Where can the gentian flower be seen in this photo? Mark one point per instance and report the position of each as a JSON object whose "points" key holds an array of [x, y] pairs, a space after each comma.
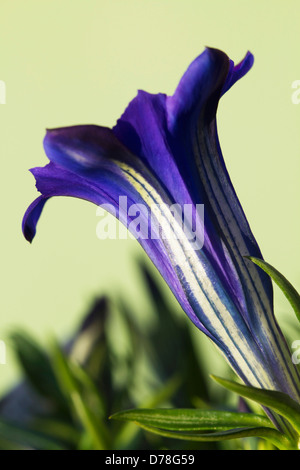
{"points": [[164, 150]]}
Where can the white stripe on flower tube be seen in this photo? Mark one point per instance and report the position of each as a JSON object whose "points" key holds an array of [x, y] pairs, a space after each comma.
{"points": [[253, 282], [202, 287]]}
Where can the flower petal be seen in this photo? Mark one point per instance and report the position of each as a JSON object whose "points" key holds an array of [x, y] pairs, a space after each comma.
{"points": [[101, 181], [203, 78], [238, 71], [197, 152], [80, 170], [32, 216], [165, 150], [143, 128]]}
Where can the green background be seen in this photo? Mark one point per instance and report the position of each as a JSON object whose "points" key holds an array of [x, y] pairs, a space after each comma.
{"points": [[69, 62]]}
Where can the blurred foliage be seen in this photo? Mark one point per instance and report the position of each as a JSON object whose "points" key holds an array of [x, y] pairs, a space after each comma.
{"points": [[111, 363]]}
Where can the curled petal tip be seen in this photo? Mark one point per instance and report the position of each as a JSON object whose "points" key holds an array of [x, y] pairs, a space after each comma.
{"points": [[245, 65], [238, 71], [31, 218], [203, 77]]}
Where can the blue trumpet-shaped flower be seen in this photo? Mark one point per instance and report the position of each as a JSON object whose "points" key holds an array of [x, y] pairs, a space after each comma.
{"points": [[164, 150]]}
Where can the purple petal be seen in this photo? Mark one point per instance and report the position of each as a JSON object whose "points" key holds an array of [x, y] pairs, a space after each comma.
{"points": [[167, 156], [170, 145], [99, 187], [203, 78], [238, 71], [198, 155], [32, 216], [192, 117]]}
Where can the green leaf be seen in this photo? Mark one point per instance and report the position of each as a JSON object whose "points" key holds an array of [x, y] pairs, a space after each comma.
{"points": [[37, 366], [143, 419], [277, 401], [286, 287], [165, 422], [91, 394], [192, 419], [272, 435], [128, 430], [69, 384]]}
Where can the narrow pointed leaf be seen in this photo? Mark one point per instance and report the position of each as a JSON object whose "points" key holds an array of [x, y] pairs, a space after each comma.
{"points": [[36, 366], [286, 287], [277, 401], [70, 386], [272, 435], [128, 431], [192, 419]]}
